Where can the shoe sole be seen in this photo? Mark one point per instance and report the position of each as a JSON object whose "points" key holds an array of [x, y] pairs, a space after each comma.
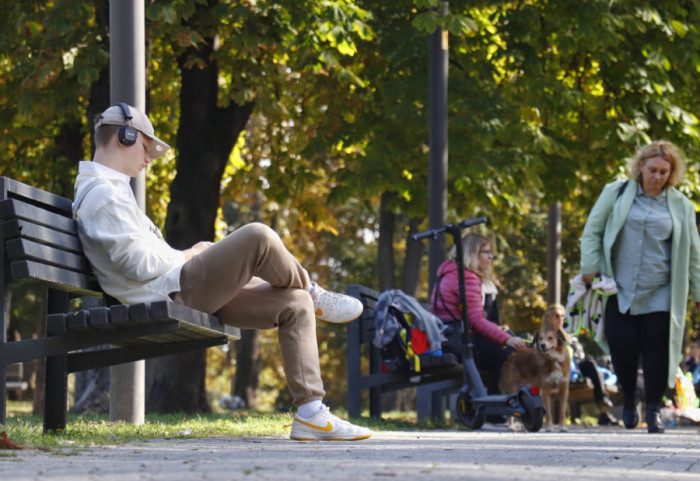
{"points": [[355, 438], [338, 322]]}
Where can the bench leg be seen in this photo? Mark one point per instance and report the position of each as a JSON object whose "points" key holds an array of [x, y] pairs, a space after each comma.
{"points": [[4, 321], [430, 404], [56, 376], [56, 395], [3, 394], [375, 392], [424, 402], [354, 370]]}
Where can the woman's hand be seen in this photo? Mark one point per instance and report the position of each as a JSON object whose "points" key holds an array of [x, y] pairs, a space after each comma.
{"points": [[588, 278], [196, 249], [516, 343]]}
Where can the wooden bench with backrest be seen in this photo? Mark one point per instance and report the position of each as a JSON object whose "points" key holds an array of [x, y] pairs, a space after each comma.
{"points": [[39, 244], [439, 375], [15, 379]]}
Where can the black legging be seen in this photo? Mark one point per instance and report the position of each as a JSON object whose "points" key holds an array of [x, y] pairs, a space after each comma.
{"points": [[589, 368], [490, 357], [629, 337]]}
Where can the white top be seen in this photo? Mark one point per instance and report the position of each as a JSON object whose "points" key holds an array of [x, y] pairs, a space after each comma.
{"points": [[130, 258]]}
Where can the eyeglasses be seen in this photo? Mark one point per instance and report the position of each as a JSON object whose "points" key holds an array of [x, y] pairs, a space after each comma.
{"points": [[487, 252]]}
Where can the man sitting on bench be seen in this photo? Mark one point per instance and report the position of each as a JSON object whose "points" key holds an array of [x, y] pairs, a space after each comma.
{"points": [[249, 279]]}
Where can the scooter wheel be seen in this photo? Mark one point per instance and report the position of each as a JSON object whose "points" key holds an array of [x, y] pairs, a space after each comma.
{"points": [[533, 416], [467, 411]]}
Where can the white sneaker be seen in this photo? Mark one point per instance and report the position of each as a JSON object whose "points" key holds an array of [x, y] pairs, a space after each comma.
{"points": [[324, 426], [336, 308]]}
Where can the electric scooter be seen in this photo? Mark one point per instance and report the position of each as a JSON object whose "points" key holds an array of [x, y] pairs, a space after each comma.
{"points": [[473, 403]]}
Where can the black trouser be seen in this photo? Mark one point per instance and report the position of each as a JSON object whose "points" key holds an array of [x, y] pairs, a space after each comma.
{"points": [[589, 369], [631, 336], [490, 357]]}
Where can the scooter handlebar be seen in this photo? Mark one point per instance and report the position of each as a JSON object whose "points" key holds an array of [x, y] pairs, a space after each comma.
{"points": [[469, 223], [432, 233], [424, 235]]}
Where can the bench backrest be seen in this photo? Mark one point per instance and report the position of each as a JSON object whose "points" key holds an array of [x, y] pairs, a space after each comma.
{"points": [[368, 297], [40, 240]]}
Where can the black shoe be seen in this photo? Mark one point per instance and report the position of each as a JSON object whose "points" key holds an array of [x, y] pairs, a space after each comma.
{"points": [[654, 423], [629, 415], [607, 419]]}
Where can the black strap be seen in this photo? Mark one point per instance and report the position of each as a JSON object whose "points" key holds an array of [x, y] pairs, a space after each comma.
{"points": [[438, 294], [622, 189]]}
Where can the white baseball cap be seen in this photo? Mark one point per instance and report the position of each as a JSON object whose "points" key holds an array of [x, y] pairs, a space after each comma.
{"points": [[115, 115]]}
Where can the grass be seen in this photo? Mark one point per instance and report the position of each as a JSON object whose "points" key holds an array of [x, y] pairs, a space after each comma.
{"points": [[83, 431]]}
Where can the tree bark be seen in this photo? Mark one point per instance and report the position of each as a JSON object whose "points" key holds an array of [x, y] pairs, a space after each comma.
{"points": [[385, 248], [410, 279], [206, 135], [247, 368]]}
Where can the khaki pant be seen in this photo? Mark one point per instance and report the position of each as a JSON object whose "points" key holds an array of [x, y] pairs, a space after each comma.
{"points": [[251, 281]]}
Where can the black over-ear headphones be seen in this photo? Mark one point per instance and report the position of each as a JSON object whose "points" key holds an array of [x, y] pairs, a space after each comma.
{"points": [[127, 135]]}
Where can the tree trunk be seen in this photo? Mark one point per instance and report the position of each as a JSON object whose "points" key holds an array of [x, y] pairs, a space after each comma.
{"points": [[387, 226], [206, 135], [247, 368], [410, 279]]}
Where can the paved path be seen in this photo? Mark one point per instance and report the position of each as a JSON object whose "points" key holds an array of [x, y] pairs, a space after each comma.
{"points": [[582, 454]]}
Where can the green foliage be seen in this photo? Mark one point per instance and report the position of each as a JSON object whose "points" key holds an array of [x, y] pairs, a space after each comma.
{"points": [[546, 100]]}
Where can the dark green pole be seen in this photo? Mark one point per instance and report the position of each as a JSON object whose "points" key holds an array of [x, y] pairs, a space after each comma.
{"points": [[437, 181]]}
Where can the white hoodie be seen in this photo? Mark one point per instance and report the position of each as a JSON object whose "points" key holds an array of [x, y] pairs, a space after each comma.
{"points": [[130, 258]]}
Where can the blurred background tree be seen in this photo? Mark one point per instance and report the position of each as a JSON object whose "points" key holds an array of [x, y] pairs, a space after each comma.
{"points": [[312, 117]]}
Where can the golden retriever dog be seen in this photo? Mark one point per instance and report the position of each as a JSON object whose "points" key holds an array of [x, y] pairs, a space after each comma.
{"points": [[545, 365]]}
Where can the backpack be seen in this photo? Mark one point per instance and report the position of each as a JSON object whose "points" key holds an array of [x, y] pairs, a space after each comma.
{"points": [[405, 331]]}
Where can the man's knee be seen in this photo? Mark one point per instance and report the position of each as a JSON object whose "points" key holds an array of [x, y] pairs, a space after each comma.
{"points": [[299, 307], [259, 233]]}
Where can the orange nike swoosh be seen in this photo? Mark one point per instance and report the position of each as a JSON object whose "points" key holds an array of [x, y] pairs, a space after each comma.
{"points": [[328, 428]]}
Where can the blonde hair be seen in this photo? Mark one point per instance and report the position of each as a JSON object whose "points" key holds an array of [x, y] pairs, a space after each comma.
{"points": [[659, 148], [549, 314], [472, 243]]}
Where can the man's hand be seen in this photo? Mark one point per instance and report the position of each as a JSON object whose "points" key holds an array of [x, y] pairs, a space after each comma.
{"points": [[196, 249]]}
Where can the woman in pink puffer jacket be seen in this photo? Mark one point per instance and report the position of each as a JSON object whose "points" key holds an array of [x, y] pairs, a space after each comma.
{"points": [[492, 344]]}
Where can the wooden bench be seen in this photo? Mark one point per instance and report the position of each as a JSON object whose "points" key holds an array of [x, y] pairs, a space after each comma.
{"points": [[15, 378], [439, 374], [581, 393], [39, 244]]}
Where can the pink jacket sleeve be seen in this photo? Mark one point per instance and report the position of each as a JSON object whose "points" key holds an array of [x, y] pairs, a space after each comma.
{"points": [[475, 311]]}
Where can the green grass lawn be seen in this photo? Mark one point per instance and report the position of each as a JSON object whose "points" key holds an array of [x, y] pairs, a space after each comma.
{"points": [[81, 431]]}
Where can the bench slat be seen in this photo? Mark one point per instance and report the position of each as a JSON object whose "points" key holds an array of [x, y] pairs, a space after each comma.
{"points": [[19, 249], [16, 209], [10, 188], [99, 318], [196, 320], [63, 279], [19, 228]]}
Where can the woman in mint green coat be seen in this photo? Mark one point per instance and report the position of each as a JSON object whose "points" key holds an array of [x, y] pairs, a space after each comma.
{"points": [[642, 233]]}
